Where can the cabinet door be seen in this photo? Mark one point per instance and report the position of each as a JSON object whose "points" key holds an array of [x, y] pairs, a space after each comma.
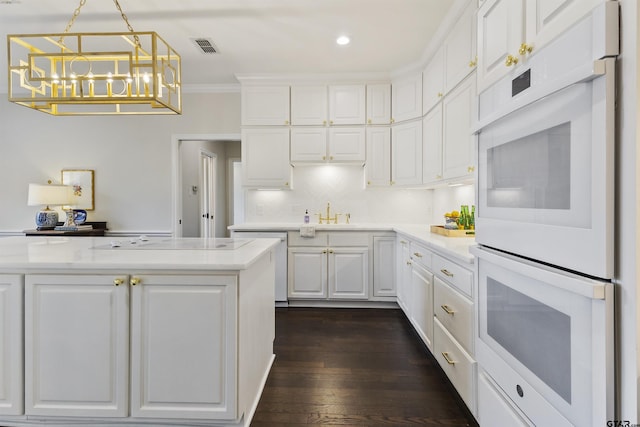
{"points": [[347, 145], [348, 273], [308, 144], [76, 345], [384, 266], [406, 154], [184, 347], [458, 115], [307, 272], [347, 104], [432, 146], [11, 336], [433, 81], [404, 275], [309, 105], [460, 49], [406, 98], [500, 31], [379, 104], [422, 303], [265, 105], [265, 158], [378, 165]]}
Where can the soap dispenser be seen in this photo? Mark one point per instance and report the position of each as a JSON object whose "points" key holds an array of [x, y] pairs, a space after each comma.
{"points": [[306, 216]]}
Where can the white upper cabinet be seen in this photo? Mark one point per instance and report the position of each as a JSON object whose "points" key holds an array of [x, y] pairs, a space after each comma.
{"points": [[378, 166], [459, 110], [509, 31], [406, 154], [459, 49], [500, 32], [432, 145], [308, 144], [379, 104], [265, 158], [406, 98], [265, 105], [309, 105], [347, 104], [347, 144], [433, 81]]}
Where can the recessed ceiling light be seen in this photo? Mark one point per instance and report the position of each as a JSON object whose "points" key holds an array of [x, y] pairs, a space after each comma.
{"points": [[342, 40]]}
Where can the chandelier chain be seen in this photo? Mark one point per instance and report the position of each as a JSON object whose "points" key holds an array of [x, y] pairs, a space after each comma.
{"points": [[76, 13]]}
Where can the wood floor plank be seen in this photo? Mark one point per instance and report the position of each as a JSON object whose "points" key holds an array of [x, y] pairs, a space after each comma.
{"points": [[354, 367]]}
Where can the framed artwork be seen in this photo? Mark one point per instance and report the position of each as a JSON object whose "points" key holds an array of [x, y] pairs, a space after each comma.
{"points": [[82, 182]]}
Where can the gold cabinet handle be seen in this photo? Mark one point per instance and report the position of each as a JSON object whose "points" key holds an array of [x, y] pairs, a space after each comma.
{"points": [[408, 262], [324, 122], [473, 62], [134, 281], [525, 49], [446, 272], [438, 176], [118, 282], [470, 168], [448, 358], [369, 121], [330, 122], [440, 95], [324, 157], [393, 120], [403, 242], [330, 251], [330, 157], [368, 182], [418, 254], [324, 251], [447, 309], [286, 122], [511, 60], [393, 183], [286, 184]]}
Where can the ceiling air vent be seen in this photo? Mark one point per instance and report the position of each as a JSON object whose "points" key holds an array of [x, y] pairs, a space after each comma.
{"points": [[205, 46]]}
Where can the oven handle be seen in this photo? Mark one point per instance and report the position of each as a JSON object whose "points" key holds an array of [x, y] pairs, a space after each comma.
{"points": [[588, 72]]}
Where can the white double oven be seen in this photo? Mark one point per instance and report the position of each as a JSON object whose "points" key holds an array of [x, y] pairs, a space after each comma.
{"points": [[545, 229]]}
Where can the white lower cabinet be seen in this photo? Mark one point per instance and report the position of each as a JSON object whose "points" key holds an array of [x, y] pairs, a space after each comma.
{"points": [[334, 273], [456, 363], [422, 303], [384, 266], [493, 408], [403, 277], [78, 329], [11, 350]]}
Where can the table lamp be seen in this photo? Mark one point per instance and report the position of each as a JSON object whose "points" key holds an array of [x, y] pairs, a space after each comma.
{"points": [[48, 195]]}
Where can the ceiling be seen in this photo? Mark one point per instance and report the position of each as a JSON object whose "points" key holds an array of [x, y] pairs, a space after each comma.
{"points": [[251, 36]]}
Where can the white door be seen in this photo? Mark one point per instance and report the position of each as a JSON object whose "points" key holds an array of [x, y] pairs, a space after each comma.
{"points": [[406, 154], [265, 158], [76, 345], [422, 303], [207, 195], [347, 144], [379, 104], [11, 336], [307, 272], [183, 347], [348, 273], [378, 165], [347, 104]]}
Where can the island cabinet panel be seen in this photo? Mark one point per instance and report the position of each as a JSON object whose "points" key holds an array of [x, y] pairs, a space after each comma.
{"points": [[11, 335], [183, 355], [76, 345]]}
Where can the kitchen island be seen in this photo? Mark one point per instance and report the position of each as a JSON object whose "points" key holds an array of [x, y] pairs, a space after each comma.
{"points": [[139, 332]]}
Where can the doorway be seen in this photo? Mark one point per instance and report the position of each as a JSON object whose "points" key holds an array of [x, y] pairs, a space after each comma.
{"points": [[202, 184]]}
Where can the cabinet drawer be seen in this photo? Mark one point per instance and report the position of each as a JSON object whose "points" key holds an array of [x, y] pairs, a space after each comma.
{"points": [[493, 409], [452, 273], [294, 239], [455, 362], [455, 312], [421, 255], [345, 238]]}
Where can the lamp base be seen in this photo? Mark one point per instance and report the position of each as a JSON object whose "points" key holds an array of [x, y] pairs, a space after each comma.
{"points": [[46, 219]]}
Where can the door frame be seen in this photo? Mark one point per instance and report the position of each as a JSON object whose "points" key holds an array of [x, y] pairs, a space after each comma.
{"points": [[207, 178], [176, 172]]}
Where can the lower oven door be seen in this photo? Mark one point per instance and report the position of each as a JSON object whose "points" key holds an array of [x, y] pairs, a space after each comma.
{"points": [[546, 337]]}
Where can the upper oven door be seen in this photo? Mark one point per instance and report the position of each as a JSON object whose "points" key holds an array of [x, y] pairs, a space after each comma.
{"points": [[545, 178]]}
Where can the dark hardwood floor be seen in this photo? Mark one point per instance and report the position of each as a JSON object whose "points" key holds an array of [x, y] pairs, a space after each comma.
{"points": [[354, 367]]}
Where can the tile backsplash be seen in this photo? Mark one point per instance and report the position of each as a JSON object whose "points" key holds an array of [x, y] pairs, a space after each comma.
{"points": [[344, 187]]}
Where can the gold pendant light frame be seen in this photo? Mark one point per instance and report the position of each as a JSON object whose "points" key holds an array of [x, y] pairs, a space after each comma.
{"points": [[68, 74]]}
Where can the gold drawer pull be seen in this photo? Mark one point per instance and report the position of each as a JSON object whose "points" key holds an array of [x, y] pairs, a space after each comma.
{"points": [[447, 358], [446, 272], [134, 281], [447, 309], [418, 254], [118, 282]]}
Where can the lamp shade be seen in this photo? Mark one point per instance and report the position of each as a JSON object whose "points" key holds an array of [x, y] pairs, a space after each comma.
{"points": [[50, 195]]}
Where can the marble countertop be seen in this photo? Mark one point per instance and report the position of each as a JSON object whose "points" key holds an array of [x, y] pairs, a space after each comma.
{"points": [[19, 253], [453, 247]]}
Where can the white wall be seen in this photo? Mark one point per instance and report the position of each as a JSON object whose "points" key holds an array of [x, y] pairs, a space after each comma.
{"points": [[131, 157]]}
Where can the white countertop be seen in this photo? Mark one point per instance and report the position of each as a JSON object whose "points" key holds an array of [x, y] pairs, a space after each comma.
{"points": [[454, 247], [91, 253]]}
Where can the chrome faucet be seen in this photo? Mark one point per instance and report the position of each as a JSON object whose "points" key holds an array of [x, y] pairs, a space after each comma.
{"points": [[328, 218]]}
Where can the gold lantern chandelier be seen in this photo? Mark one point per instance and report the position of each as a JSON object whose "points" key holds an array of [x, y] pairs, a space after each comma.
{"points": [[70, 74]]}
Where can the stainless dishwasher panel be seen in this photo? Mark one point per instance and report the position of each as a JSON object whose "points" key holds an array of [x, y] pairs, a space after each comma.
{"points": [[281, 258]]}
